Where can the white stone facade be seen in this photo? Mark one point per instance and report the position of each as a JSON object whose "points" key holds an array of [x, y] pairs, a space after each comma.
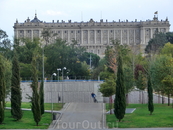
{"points": [[92, 35]]}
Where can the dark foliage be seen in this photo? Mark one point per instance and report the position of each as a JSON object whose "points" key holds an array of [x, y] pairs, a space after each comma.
{"points": [[16, 90], [120, 101], [2, 90], [35, 99], [42, 97], [150, 96]]}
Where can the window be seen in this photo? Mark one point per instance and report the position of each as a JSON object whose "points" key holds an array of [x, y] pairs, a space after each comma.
{"points": [[71, 31]]}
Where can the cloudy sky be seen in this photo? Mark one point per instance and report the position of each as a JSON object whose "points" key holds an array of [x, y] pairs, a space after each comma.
{"points": [[82, 10]]}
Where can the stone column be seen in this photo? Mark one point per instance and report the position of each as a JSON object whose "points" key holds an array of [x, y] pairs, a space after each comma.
{"points": [[142, 35], [108, 36], [81, 31], [114, 35], [95, 42], [128, 36], [62, 32], [32, 34], [75, 34], [101, 36], [68, 35], [88, 36], [24, 32]]}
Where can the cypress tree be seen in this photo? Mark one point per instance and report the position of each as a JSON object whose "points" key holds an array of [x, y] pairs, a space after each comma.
{"points": [[150, 96], [2, 90], [42, 97], [16, 90], [35, 99], [120, 101]]}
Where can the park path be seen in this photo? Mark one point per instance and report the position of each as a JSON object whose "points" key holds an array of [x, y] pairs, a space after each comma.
{"points": [[82, 116]]}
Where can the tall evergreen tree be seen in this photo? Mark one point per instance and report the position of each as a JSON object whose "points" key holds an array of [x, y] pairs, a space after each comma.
{"points": [[150, 96], [2, 89], [16, 90], [42, 97], [35, 99], [120, 101]]}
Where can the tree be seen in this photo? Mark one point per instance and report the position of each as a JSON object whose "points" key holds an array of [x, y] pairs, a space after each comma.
{"points": [[42, 97], [140, 79], [128, 80], [108, 89], [169, 36], [156, 43], [35, 99], [48, 35], [86, 57], [150, 96], [5, 45], [16, 90], [2, 89], [167, 49], [120, 102], [161, 73], [60, 55]]}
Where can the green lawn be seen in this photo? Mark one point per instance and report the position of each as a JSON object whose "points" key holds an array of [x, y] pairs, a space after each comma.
{"points": [[48, 106], [27, 121], [140, 118]]}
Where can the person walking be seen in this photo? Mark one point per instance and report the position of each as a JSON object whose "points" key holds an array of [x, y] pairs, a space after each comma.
{"points": [[94, 97]]}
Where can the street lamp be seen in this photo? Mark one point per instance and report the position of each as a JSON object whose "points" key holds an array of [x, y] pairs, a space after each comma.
{"points": [[58, 73], [54, 74], [64, 68]]}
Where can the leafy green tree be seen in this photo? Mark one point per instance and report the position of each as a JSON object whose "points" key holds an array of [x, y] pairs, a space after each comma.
{"points": [[60, 55], [25, 53], [2, 89], [25, 71], [156, 43], [140, 79], [150, 96], [35, 99], [168, 82], [97, 72], [167, 49], [94, 58], [5, 45], [48, 35], [169, 36], [16, 90], [160, 71], [108, 89], [128, 80], [8, 74], [120, 102]]}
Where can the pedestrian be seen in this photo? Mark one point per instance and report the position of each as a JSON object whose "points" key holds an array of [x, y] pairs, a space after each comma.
{"points": [[94, 97]]}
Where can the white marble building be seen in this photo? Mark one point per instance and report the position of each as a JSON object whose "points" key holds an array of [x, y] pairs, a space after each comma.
{"points": [[93, 35]]}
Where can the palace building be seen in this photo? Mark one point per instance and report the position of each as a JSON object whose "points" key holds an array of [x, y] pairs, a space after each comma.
{"points": [[93, 35]]}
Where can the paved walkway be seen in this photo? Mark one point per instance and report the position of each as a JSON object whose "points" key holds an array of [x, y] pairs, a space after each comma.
{"points": [[82, 116]]}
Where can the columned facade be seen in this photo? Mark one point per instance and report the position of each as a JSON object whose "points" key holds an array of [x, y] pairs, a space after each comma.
{"points": [[92, 35]]}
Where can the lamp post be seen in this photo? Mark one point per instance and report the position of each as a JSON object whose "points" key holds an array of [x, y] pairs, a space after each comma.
{"points": [[58, 73], [54, 74], [64, 68]]}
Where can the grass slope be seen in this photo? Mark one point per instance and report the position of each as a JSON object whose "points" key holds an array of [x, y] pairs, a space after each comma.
{"points": [[27, 121], [140, 118]]}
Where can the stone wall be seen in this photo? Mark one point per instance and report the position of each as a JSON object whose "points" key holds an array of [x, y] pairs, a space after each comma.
{"points": [[81, 92], [71, 91]]}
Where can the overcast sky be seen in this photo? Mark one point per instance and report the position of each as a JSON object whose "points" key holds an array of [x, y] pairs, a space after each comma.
{"points": [[82, 10]]}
